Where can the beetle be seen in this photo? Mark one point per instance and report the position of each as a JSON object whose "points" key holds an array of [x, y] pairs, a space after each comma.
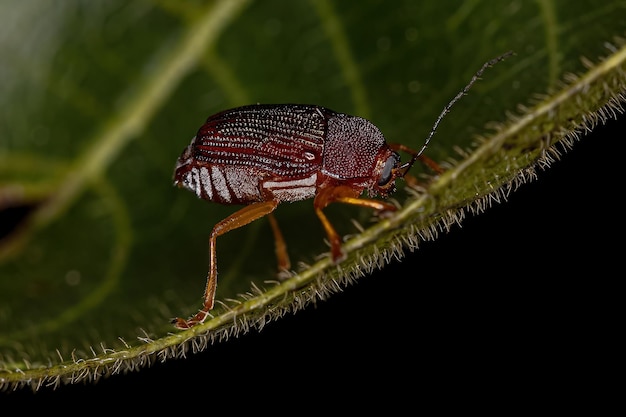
{"points": [[261, 155]]}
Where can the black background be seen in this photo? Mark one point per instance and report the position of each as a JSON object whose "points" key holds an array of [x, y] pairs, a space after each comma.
{"points": [[521, 302]]}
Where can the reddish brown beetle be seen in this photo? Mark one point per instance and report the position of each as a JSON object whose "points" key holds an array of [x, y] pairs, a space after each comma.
{"points": [[261, 155]]}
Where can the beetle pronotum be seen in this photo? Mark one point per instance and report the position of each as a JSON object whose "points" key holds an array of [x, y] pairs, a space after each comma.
{"points": [[261, 155]]}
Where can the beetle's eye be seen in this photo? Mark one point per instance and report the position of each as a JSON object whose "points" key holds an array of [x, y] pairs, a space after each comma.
{"points": [[385, 175]]}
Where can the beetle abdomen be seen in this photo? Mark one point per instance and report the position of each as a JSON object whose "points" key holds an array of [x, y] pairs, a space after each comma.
{"points": [[226, 185], [250, 153]]}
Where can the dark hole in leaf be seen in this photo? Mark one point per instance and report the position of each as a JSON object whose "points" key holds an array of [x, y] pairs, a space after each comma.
{"points": [[12, 217]]}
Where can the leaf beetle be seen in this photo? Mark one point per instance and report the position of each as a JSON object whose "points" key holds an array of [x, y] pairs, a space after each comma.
{"points": [[261, 155]]}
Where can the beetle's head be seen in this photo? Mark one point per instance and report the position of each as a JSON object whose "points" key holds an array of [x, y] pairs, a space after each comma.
{"points": [[388, 169]]}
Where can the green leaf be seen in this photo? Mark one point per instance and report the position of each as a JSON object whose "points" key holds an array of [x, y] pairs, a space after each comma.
{"points": [[101, 250]]}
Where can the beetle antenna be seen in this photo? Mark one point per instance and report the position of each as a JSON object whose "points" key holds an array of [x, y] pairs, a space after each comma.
{"points": [[456, 98]]}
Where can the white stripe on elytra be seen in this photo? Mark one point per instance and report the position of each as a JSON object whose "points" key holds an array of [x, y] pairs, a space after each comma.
{"points": [[205, 180], [219, 182], [192, 181], [304, 182]]}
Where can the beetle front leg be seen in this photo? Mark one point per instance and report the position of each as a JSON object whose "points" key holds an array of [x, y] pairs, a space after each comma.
{"points": [[333, 237], [410, 179], [346, 195], [236, 220]]}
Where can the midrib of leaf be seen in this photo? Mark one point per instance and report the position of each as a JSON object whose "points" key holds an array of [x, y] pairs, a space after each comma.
{"points": [[132, 117]]}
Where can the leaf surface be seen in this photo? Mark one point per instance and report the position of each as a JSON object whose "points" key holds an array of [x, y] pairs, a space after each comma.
{"points": [[100, 251]]}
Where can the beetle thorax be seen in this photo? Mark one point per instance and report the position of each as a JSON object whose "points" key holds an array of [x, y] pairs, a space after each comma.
{"points": [[351, 150]]}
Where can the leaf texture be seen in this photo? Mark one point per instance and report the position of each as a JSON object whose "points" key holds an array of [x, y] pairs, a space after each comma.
{"points": [[100, 251]]}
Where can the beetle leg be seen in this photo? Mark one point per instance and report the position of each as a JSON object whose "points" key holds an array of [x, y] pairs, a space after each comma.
{"points": [[412, 181], [281, 248], [236, 220], [346, 195]]}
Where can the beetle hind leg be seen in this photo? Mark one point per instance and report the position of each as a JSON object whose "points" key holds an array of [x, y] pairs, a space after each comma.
{"points": [[236, 220]]}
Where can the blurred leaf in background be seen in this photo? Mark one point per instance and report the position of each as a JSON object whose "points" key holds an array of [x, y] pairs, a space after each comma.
{"points": [[99, 250]]}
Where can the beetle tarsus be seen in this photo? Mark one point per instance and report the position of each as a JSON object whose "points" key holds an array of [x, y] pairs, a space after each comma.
{"points": [[198, 318]]}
